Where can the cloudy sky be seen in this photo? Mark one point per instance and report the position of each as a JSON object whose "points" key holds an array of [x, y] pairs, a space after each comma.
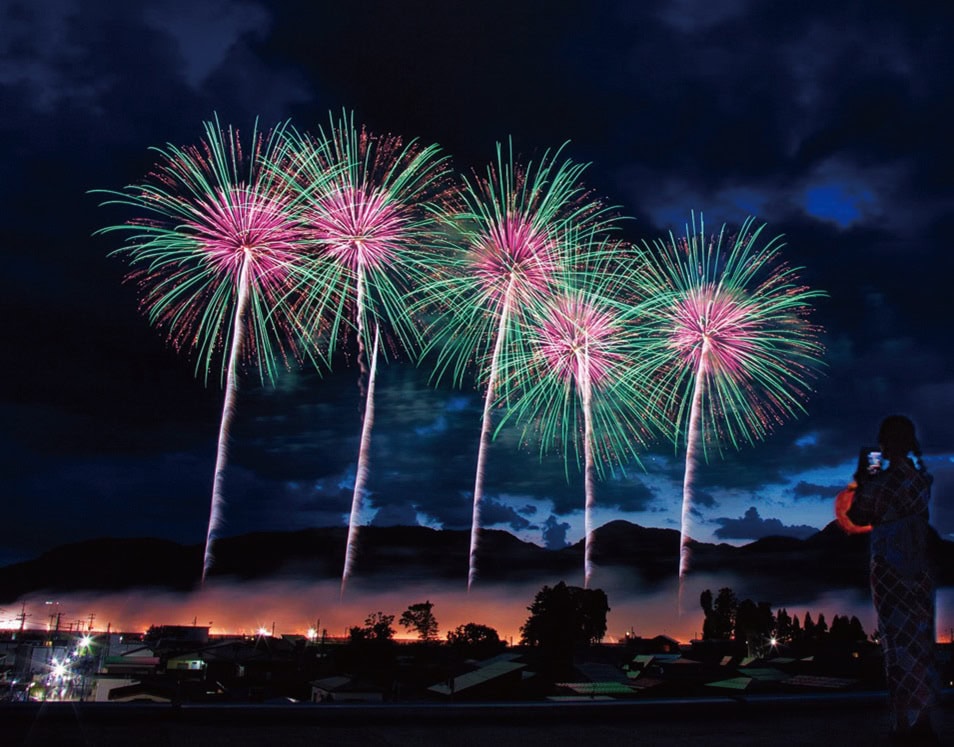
{"points": [[829, 120]]}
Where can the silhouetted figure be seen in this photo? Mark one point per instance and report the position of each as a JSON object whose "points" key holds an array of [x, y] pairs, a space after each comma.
{"points": [[894, 499]]}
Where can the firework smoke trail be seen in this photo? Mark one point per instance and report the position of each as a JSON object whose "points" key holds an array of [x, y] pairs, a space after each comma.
{"points": [[580, 346], [216, 258], [228, 411], [589, 489], [372, 210], [730, 346], [485, 430], [361, 472], [505, 250], [693, 442]]}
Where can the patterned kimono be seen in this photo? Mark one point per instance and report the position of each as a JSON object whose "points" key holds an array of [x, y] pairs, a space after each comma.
{"points": [[895, 503]]}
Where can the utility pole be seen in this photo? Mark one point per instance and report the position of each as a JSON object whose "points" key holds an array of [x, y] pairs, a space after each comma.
{"points": [[22, 617], [92, 616]]}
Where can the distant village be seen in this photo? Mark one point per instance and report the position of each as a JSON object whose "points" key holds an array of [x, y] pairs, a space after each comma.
{"points": [[745, 648]]}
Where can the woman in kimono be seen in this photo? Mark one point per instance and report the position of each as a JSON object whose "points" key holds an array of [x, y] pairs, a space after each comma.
{"points": [[894, 501]]}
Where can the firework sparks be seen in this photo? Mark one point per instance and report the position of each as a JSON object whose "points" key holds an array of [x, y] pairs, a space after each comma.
{"points": [[215, 258], [505, 257], [369, 203], [572, 386], [733, 350]]}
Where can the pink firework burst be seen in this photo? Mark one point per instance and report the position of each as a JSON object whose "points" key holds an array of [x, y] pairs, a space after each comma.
{"points": [[572, 385], [363, 230], [717, 319], [506, 249], [576, 341], [514, 261], [217, 257], [369, 204], [730, 345]]}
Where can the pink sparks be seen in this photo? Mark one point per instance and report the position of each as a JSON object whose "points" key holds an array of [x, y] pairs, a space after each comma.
{"points": [[240, 222], [576, 341], [359, 229], [710, 321], [514, 249]]}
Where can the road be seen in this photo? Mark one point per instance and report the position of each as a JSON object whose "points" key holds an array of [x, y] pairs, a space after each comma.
{"points": [[845, 719]]}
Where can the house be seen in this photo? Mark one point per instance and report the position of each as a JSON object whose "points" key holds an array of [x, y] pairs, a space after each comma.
{"points": [[345, 689], [498, 677]]}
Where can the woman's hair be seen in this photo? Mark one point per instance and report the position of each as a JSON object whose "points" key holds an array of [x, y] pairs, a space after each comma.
{"points": [[897, 438]]}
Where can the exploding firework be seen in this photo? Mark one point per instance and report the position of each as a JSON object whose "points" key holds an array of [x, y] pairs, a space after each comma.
{"points": [[506, 256], [572, 385], [216, 252], [732, 347], [370, 208]]}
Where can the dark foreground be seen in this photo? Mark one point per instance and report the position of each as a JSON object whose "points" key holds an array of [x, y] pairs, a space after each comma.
{"points": [[848, 719]]}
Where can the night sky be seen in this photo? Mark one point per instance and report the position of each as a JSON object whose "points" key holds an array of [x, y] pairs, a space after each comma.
{"points": [[830, 121]]}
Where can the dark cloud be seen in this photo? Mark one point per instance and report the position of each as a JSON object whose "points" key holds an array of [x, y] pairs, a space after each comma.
{"points": [[702, 498], [396, 515], [812, 491], [554, 533], [494, 512], [827, 120], [752, 526]]}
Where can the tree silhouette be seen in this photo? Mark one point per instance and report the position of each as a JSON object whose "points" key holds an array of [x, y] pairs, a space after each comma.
{"points": [[561, 619], [719, 617], [377, 628], [420, 618], [808, 627], [754, 624], [475, 640], [564, 616]]}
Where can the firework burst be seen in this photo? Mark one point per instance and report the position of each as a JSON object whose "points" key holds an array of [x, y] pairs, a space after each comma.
{"points": [[571, 385], [732, 347], [505, 256], [215, 253], [370, 205]]}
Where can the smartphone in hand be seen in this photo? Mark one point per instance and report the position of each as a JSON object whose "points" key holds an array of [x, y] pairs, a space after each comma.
{"points": [[870, 461]]}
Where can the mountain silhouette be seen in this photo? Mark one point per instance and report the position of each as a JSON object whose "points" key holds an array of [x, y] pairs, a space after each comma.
{"points": [[828, 559]]}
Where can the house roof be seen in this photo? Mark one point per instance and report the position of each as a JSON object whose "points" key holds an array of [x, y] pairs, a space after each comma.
{"points": [[477, 677], [645, 683], [345, 684], [766, 673], [505, 656], [331, 683], [157, 693], [733, 683], [599, 672], [597, 688], [811, 680]]}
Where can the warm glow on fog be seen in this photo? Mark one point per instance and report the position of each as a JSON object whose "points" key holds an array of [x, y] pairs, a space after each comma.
{"points": [[290, 607]]}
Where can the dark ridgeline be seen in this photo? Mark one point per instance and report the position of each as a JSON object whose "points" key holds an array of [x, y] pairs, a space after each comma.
{"points": [[826, 560]]}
